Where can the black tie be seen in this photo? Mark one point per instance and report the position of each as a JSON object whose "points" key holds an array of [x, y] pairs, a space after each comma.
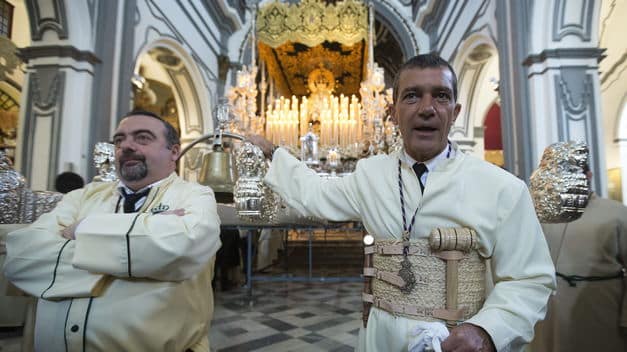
{"points": [[420, 169], [130, 199]]}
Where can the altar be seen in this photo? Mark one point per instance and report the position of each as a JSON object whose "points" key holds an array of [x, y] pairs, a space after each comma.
{"points": [[289, 221]]}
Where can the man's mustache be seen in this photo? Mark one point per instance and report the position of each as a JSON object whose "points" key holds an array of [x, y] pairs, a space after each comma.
{"points": [[131, 157]]}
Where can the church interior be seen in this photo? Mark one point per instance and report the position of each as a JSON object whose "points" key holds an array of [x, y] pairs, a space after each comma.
{"points": [[314, 77]]}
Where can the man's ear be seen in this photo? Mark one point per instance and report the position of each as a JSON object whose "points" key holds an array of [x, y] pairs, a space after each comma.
{"points": [[456, 110], [391, 110], [176, 151]]}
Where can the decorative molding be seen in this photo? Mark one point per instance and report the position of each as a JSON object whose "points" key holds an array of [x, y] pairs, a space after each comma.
{"points": [[36, 52], [583, 113], [38, 24], [569, 110], [153, 8], [216, 38], [51, 92], [51, 85], [606, 75], [176, 36], [179, 78], [416, 5], [604, 22], [432, 21], [490, 34], [240, 8], [221, 18], [581, 29], [450, 25], [388, 14], [565, 53], [475, 71]]}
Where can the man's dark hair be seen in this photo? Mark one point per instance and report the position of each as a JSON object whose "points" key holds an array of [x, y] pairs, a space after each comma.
{"points": [[171, 136], [430, 60], [68, 181]]}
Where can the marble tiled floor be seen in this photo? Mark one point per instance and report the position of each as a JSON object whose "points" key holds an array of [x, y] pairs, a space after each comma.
{"points": [[288, 317], [281, 317]]}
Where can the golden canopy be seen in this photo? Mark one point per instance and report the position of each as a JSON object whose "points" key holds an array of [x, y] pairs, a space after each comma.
{"points": [[295, 39], [312, 22]]}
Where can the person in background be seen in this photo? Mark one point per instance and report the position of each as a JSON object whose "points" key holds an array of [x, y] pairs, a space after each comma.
{"points": [[68, 181], [124, 266], [431, 184], [589, 310], [228, 259]]}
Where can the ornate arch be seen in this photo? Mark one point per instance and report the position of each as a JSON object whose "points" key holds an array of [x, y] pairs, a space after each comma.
{"points": [[621, 122], [477, 69], [194, 109]]}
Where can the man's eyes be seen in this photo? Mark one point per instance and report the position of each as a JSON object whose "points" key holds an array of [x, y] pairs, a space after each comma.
{"points": [[140, 138], [143, 138], [410, 96], [443, 96]]}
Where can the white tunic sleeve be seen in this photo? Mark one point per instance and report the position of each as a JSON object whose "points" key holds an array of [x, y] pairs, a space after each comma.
{"points": [[39, 259], [522, 271], [333, 199]]}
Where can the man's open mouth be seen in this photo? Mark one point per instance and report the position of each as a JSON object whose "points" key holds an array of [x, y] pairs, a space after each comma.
{"points": [[131, 162], [425, 129]]}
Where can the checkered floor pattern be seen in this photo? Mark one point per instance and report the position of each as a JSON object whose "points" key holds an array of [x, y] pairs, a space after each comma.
{"points": [[288, 317]]}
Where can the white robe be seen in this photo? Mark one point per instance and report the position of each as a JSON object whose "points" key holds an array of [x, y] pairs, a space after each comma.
{"points": [[149, 290], [461, 192]]}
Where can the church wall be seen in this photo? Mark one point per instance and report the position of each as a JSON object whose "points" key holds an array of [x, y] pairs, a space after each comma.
{"points": [[612, 74]]}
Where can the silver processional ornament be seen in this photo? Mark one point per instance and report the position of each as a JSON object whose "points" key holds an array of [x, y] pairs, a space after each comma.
{"points": [[19, 204], [12, 187], [254, 201], [559, 187], [104, 161], [309, 148]]}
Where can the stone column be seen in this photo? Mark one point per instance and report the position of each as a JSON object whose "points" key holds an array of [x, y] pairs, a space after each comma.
{"points": [[549, 81], [564, 89], [56, 97]]}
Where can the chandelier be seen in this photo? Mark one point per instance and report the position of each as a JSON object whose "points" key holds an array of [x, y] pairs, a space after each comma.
{"points": [[344, 126]]}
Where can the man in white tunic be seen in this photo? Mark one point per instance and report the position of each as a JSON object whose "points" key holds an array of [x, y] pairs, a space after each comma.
{"points": [[124, 266], [459, 191]]}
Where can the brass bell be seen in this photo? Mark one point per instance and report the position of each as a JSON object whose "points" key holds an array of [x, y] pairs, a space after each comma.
{"points": [[218, 172]]}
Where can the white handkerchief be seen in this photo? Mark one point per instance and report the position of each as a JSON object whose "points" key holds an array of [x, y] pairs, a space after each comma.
{"points": [[427, 336]]}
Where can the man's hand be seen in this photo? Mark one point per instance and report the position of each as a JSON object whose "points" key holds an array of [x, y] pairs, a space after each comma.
{"points": [[265, 145], [468, 338], [69, 232], [178, 212]]}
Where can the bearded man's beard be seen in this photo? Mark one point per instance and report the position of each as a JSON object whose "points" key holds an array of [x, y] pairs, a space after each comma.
{"points": [[134, 172]]}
